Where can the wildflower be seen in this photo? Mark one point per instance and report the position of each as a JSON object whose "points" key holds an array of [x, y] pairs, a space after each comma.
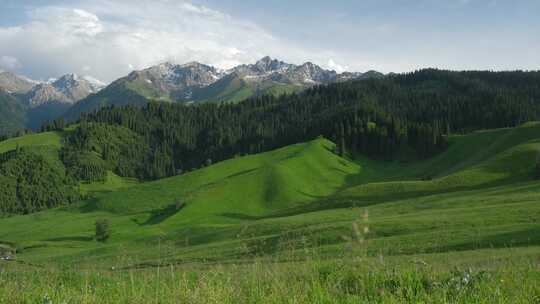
{"points": [[46, 299]]}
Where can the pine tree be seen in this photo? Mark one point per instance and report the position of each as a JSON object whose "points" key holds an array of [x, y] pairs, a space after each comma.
{"points": [[341, 139], [103, 231]]}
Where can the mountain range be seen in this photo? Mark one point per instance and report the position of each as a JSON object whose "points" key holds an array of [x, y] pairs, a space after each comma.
{"points": [[71, 95], [196, 82], [25, 103]]}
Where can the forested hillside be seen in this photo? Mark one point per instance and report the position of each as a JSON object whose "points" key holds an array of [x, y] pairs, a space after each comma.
{"points": [[30, 183], [400, 116]]}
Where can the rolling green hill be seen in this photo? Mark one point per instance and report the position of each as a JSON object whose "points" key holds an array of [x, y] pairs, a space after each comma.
{"points": [[481, 159], [304, 196]]}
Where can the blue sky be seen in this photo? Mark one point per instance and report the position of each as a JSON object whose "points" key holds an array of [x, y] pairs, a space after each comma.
{"points": [[107, 39]]}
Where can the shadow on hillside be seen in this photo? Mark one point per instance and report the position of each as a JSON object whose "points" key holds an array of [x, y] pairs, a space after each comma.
{"points": [[330, 149], [241, 173], [342, 202], [342, 171], [522, 238], [510, 162], [240, 216], [318, 197], [159, 215], [71, 238], [90, 205]]}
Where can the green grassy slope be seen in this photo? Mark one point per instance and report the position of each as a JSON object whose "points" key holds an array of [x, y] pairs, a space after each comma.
{"points": [[228, 89], [482, 195], [481, 159], [51, 139], [47, 144], [111, 183], [231, 89], [119, 93], [250, 186], [222, 195]]}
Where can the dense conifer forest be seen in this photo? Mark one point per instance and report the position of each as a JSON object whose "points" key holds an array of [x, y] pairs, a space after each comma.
{"points": [[30, 183]]}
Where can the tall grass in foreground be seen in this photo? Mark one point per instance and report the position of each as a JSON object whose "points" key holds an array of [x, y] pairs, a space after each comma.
{"points": [[297, 273], [341, 281]]}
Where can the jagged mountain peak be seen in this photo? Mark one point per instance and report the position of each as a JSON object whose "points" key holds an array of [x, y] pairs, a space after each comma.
{"points": [[76, 87], [167, 77], [265, 59], [169, 81], [66, 81], [311, 67], [195, 64], [267, 64], [168, 66], [70, 77], [68, 88], [44, 93]]}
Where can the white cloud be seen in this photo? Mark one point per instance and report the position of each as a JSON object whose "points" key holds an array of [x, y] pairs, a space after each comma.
{"points": [[110, 38], [66, 21], [9, 62], [332, 65]]}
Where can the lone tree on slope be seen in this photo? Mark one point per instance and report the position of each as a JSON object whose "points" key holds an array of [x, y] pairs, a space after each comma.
{"points": [[103, 231]]}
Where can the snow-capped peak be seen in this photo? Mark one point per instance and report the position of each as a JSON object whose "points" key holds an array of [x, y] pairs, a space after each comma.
{"points": [[94, 81]]}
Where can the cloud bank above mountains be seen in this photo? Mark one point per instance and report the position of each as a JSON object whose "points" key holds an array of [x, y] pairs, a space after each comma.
{"points": [[108, 39]]}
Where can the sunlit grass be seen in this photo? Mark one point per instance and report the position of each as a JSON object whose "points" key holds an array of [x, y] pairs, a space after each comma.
{"points": [[296, 225]]}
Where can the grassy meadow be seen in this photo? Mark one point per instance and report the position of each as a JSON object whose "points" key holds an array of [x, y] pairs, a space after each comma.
{"points": [[343, 280], [295, 225]]}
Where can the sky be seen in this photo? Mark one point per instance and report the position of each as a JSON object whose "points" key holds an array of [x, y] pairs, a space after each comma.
{"points": [[107, 39]]}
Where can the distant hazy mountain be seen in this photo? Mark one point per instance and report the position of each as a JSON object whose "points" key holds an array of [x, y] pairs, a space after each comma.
{"points": [[11, 83], [67, 89], [48, 101], [28, 104], [196, 82]]}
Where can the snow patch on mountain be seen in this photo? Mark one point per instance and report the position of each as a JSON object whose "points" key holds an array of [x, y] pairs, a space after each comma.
{"points": [[69, 88]]}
